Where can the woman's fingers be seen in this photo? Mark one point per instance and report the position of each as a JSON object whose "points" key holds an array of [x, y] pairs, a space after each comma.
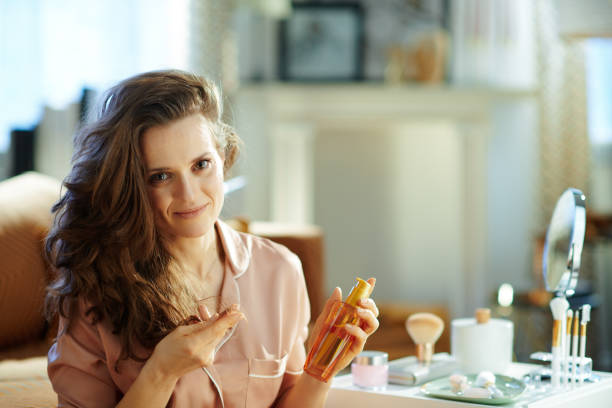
{"points": [[194, 345], [335, 297], [218, 324], [369, 323], [359, 337], [204, 313], [226, 321], [368, 312], [230, 319], [369, 304]]}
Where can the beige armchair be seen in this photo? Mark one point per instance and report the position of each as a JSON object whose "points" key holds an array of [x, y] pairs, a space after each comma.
{"points": [[25, 337]]}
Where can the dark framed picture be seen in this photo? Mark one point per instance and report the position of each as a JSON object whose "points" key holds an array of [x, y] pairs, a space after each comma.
{"points": [[322, 42]]}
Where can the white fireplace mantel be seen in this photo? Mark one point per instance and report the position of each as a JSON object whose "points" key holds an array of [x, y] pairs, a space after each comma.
{"points": [[282, 124], [293, 113], [374, 101]]}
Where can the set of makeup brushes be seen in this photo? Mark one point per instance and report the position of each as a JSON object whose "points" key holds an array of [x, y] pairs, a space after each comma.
{"points": [[565, 347]]}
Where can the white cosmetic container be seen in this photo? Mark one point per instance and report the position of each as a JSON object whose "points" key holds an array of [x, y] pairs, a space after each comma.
{"points": [[370, 370], [482, 344]]}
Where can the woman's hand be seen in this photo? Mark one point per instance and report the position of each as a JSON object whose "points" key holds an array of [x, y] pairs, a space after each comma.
{"points": [[186, 348], [189, 347], [368, 313]]}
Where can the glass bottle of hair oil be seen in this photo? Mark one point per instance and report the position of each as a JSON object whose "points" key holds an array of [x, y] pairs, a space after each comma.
{"points": [[333, 342]]}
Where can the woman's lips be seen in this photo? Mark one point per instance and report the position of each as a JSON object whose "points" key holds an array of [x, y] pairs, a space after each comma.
{"points": [[191, 213]]}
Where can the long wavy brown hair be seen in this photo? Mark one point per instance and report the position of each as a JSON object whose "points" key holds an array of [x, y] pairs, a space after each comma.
{"points": [[104, 245]]}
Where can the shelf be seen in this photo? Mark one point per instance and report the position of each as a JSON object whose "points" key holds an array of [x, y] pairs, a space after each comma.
{"points": [[339, 101]]}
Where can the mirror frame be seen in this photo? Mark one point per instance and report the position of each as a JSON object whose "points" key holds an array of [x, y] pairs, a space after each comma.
{"points": [[569, 278]]}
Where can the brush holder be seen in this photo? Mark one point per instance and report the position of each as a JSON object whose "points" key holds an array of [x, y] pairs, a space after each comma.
{"points": [[584, 366]]}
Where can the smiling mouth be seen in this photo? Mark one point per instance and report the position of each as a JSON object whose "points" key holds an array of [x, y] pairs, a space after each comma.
{"points": [[191, 213]]}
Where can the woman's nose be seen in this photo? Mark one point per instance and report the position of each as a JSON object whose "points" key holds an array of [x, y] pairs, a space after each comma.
{"points": [[187, 188]]}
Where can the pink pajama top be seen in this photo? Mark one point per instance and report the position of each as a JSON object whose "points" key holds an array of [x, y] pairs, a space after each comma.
{"points": [[255, 363]]}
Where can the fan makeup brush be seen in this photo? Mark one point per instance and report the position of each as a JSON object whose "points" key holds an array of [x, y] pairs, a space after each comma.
{"points": [[566, 349], [575, 348], [586, 317], [424, 329], [559, 307]]}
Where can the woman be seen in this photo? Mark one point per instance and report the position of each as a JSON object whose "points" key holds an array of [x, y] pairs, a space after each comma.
{"points": [[160, 302]]}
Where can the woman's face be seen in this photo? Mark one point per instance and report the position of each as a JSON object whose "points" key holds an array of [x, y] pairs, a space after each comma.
{"points": [[184, 176]]}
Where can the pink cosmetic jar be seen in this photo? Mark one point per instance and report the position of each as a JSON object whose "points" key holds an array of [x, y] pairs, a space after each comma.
{"points": [[370, 370]]}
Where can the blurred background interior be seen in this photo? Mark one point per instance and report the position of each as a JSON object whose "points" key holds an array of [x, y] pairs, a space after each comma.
{"points": [[428, 139]]}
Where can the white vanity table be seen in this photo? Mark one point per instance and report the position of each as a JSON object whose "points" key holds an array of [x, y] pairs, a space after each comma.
{"points": [[588, 395], [561, 264]]}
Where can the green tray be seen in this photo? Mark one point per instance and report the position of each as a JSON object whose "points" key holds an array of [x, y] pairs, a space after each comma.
{"points": [[510, 387]]}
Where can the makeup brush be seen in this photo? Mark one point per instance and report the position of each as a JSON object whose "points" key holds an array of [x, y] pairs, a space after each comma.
{"points": [[567, 347], [559, 307], [424, 329], [585, 318], [575, 349]]}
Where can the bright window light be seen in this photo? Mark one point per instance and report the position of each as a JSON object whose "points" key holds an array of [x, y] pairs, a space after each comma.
{"points": [[599, 89], [58, 47], [505, 295]]}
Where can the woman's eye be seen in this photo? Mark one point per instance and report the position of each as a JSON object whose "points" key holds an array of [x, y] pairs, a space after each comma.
{"points": [[159, 177], [203, 164]]}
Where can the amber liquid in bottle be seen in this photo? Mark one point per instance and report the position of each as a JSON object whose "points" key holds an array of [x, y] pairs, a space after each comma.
{"points": [[333, 342]]}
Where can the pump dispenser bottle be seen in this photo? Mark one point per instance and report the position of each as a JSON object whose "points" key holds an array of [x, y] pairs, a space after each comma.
{"points": [[332, 342]]}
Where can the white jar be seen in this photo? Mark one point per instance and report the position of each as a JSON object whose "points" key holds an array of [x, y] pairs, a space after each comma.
{"points": [[370, 370], [482, 344]]}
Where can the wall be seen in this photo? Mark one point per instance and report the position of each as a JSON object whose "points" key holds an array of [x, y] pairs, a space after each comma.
{"points": [[432, 190], [391, 207], [513, 181]]}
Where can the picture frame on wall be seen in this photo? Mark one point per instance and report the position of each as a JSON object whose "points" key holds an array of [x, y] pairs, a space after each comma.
{"points": [[322, 42]]}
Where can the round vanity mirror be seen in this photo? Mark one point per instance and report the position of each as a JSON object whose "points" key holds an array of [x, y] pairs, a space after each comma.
{"points": [[564, 240]]}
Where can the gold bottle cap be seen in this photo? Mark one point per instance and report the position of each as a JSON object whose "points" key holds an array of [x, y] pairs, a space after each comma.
{"points": [[361, 290]]}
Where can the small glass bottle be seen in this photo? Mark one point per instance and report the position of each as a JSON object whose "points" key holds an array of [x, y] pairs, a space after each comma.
{"points": [[333, 342]]}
